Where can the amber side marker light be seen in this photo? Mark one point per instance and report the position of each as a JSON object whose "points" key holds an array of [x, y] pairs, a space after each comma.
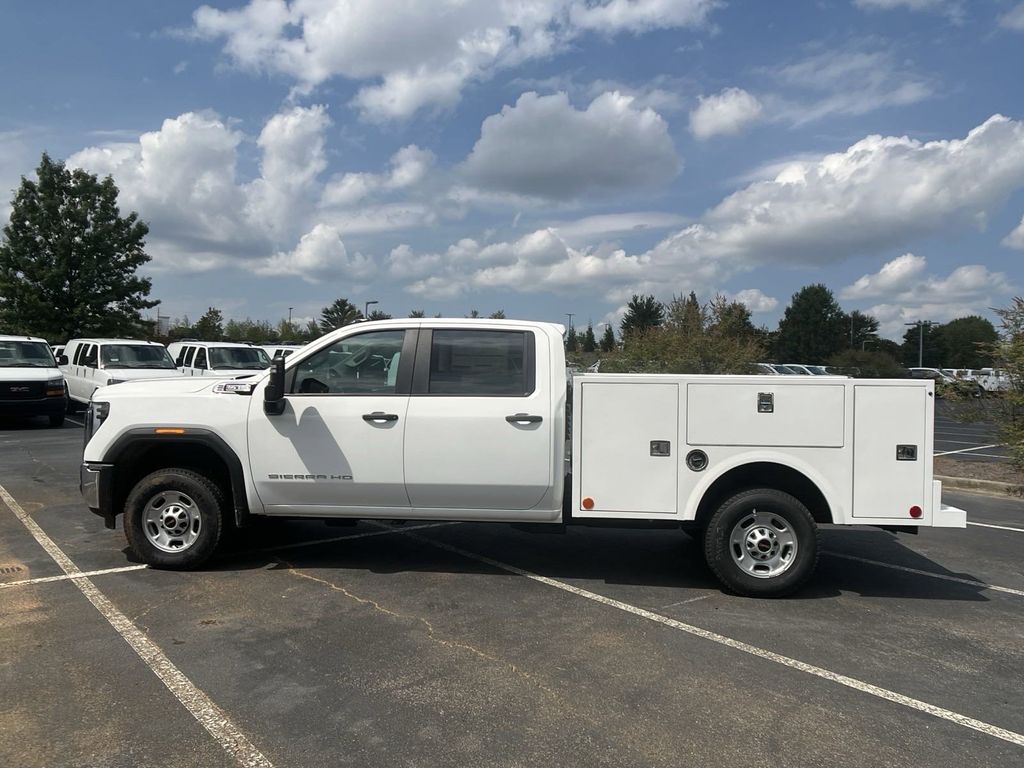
{"points": [[169, 431], [915, 511], [588, 503]]}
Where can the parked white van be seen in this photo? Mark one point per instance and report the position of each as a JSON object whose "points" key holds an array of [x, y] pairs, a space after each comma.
{"points": [[30, 382], [89, 364], [217, 358]]}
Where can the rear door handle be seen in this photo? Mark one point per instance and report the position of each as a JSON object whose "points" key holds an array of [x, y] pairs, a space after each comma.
{"points": [[523, 418], [380, 416]]}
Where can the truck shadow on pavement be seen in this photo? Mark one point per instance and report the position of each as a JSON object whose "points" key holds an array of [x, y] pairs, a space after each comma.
{"points": [[642, 558]]}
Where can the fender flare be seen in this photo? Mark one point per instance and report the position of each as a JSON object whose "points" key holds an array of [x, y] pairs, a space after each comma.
{"points": [[146, 436]]}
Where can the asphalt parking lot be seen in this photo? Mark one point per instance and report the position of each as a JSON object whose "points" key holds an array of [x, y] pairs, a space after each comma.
{"points": [[965, 440], [473, 644]]}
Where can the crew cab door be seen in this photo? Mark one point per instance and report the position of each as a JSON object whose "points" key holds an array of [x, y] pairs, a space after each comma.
{"points": [[337, 448], [479, 432]]}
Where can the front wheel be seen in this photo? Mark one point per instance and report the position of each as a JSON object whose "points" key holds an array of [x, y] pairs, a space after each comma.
{"points": [[173, 519], [762, 543], [57, 419]]}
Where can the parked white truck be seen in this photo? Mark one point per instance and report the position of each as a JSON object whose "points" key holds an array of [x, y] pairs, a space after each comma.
{"points": [[466, 420]]}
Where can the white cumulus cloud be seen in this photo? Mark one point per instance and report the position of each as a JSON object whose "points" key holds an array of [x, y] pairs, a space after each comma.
{"points": [[1013, 18], [895, 276], [544, 147], [320, 254], [1016, 238], [415, 55], [726, 112], [756, 300]]}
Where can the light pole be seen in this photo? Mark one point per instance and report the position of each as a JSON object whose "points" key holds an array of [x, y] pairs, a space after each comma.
{"points": [[290, 315], [569, 315], [366, 307], [920, 339]]}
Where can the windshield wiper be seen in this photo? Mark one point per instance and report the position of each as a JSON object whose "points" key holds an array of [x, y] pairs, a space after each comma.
{"points": [[26, 365]]}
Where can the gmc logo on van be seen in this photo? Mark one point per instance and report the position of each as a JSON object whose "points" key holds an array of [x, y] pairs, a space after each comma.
{"points": [[18, 389]]}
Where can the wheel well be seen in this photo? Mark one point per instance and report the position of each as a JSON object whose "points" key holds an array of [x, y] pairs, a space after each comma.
{"points": [[764, 474], [145, 458]]}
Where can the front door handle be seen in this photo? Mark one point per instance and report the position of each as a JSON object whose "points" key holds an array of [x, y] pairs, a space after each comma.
{"points": [[380, 416], [523, 418]]}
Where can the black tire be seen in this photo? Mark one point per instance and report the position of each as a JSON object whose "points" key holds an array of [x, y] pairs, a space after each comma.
{"points": [[783, 515], [56, 419], [206, 503]]}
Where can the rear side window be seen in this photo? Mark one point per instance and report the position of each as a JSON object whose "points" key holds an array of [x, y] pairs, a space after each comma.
{"points": [[494, 363], [76, 358], [189, 352], [200, 361]]}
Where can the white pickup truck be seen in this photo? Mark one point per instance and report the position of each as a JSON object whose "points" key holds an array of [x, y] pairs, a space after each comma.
{"points": [[466, 420]]}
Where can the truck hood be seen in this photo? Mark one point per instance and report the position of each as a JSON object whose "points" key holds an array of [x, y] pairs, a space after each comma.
{"points": [[168, 387], [30, 374], [138, 374]]}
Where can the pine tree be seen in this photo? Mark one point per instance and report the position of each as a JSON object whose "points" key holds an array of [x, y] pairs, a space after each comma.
{"points": [[69, 260], [608, 339], [341, 313], [589, 342]]}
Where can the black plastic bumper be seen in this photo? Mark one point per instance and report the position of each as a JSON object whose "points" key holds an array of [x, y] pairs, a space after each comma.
{"points": [[44, 406]]}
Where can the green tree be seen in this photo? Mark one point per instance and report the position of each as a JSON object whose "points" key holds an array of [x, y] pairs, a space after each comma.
{"points": [[694, 339], [311, 332], [498, 315], [923, 347], [730, 318], [474, 313], [210, 327], [861, 328], [967, 342], [811, 328], [339, 314], [69, 261], [378, 314], [589, 342], [642, 314], [572, 341], [1009, 352], [417, 313], [608, 339]]}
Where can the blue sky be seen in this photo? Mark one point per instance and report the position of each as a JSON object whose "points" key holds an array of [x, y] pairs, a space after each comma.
{"points": [[540, 157]]}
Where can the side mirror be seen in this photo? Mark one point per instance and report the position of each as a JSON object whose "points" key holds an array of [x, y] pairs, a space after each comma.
{"points": [[273, 394], [62, 359]]}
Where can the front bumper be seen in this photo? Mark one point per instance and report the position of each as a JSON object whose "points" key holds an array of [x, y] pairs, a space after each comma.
{"points": [[43, 406], [96, 482]]}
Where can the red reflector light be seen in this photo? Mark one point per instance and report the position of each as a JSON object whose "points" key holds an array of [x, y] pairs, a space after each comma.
{"points": [[915, 511], [588, 503]]}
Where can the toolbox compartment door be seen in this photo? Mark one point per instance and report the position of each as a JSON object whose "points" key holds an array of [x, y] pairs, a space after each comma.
{"points": [[629, 448]]}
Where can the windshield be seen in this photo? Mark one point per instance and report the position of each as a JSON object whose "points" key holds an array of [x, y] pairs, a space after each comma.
{"points": [[240, 358], [25, 354], [136, 356]]}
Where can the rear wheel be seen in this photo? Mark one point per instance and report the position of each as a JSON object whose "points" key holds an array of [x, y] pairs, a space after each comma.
{"points": [[173, 519], [762, 543]]}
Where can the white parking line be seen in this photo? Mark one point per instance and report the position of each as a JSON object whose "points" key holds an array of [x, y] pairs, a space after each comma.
{"points": [[79, 423], [1000, 527], [66, 576], [850, 682], [932, 574], [967, 450], [199, 705]]}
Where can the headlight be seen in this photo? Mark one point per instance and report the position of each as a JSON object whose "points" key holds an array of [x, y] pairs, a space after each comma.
{"points": [[112, 382], [95, 415], [55, 387]]}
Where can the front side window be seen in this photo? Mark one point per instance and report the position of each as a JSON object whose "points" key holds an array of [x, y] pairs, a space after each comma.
{"points": [[472, 362], [25, 354], [200, 359], [363, 364], [136, 356], [89, 356], [238, 358]]}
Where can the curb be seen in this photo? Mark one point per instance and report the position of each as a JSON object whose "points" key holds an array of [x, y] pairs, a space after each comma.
{"points": [[992, 487]]}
